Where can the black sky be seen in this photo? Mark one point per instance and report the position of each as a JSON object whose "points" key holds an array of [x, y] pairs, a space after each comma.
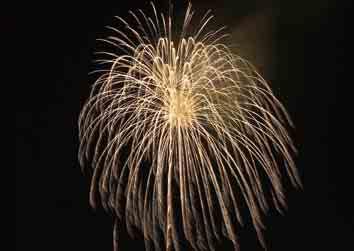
{"points": [[313, 76]]}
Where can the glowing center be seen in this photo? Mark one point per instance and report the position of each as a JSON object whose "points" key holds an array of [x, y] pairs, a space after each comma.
{"points": [[180, 109]]}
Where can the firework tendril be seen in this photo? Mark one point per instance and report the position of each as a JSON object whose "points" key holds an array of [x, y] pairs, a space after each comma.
{"points": [[179, 131]]}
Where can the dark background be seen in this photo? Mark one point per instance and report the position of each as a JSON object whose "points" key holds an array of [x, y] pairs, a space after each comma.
{"points": [[313, 76]]}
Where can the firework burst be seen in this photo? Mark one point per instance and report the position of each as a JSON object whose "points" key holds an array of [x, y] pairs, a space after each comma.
{"points": [[178, 130]]}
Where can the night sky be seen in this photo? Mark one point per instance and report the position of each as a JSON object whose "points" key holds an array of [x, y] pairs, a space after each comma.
{"points": [[311, 72]]}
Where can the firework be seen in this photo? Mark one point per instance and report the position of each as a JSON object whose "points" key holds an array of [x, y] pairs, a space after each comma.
{"points": [[180, 131]]}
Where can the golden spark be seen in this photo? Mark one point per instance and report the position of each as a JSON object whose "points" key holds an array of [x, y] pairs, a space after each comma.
{"points": [[183, 125]]}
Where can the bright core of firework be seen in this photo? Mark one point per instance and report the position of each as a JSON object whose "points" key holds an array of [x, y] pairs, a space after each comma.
{"points": [[203, 122]]}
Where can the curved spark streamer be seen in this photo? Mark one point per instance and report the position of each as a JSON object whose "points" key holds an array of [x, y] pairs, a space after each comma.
{"points": [[183, 126]]}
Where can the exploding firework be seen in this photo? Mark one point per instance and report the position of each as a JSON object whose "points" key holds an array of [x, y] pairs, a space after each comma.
{"points": [[179, 131]]}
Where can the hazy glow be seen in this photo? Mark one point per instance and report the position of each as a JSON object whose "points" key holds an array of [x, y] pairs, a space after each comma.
{"points": [[177, 123]]}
